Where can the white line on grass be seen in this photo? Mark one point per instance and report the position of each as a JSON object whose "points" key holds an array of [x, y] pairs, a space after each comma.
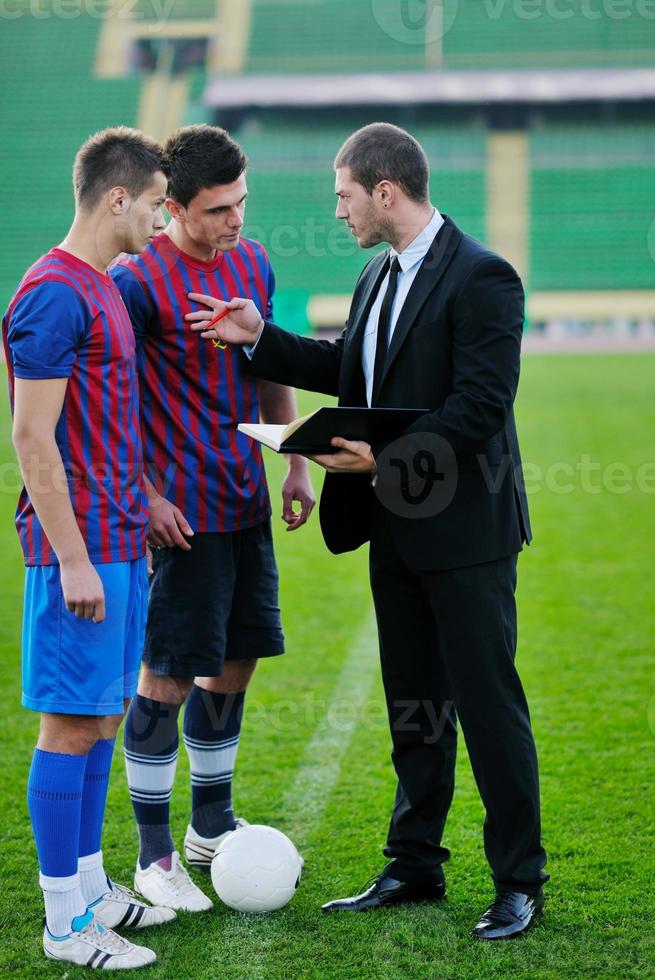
{"points": [[320, 767]]}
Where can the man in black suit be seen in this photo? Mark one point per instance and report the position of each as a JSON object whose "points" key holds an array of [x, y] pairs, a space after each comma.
{"points": [[436, 324]]}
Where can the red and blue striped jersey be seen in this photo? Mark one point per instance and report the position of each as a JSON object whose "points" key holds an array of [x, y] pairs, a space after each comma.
{"points": [[67, 320], [193, 394]]}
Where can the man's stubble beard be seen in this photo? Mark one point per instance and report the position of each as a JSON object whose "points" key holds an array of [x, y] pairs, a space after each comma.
{"points": [[382, 231]]}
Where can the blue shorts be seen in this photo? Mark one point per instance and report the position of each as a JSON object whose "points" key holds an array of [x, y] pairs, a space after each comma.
{"points": [[72, 665]]}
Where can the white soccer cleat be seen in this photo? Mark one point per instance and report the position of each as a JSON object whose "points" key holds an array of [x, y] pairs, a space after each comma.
{"points": [[199, 851], [118, 908], [172, 889], [97, 947]]}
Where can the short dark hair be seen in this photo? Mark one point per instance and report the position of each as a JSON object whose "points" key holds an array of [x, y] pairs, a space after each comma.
{"points": [[118, 157], [381, 151], [201, 156]]}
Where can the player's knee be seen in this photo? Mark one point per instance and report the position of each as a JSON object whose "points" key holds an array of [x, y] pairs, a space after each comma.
{"points": [[235, 677], [108, 726], [169, 690], [69, 734], [238, 674]]}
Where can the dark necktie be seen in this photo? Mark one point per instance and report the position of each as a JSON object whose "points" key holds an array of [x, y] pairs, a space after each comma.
{"points": [[384, 321]]}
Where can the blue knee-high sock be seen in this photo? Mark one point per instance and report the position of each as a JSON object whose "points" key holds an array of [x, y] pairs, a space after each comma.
{"points": [[150, 742], [212, 725], [94, 795], [54, 801], [93, 879]]}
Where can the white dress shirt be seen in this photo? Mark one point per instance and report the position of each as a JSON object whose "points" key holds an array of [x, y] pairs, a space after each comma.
{"points": [[410, 261]]}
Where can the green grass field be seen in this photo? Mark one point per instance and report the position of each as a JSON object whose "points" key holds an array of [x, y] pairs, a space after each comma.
{"points": [[314, 757]]}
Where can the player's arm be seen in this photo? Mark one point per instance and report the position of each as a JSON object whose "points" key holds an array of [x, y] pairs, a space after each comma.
{"points": [[37, 408], [277, 405], [167, 525]]}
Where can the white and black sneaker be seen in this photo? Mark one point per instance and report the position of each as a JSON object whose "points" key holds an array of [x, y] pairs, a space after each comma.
{"points": [[119, 908], [199, 851], [172, 888], [90, 944]]}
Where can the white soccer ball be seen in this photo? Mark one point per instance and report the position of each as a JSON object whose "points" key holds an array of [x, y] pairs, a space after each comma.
{"points": [[256, 869]]}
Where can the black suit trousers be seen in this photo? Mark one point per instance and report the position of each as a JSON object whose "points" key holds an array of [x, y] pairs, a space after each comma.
{"points": [[447, 647]]}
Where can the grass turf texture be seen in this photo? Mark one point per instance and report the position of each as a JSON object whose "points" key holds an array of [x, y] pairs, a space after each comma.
{"points": [[586, 636]]}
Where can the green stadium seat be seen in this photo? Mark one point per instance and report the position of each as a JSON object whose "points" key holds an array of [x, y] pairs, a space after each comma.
{"points": [[51, 103], [592, 207], [327, 35], [571, 34]]}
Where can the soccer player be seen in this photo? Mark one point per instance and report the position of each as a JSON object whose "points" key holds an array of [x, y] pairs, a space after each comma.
{"points": [[81, 520], [213, 599]]}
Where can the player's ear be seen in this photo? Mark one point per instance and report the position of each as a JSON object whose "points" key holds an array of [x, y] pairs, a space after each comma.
{"points": [[176, 211], [118, 200]]}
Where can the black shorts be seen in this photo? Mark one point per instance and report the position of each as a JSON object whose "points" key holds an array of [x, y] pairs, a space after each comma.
{"points": [[214, 603]]}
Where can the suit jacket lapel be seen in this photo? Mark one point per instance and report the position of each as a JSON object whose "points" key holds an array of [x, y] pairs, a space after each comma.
{"points": [[375, 273], [435, 263]]}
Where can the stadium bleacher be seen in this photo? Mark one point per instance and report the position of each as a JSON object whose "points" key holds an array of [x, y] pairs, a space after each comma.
{"points": [[51, 102], [548, 34], [328, 35], [593, 189], [590, 184], [339, 35]]}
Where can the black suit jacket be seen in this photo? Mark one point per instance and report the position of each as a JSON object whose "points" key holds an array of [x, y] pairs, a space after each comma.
{"points": [[455, 350]]}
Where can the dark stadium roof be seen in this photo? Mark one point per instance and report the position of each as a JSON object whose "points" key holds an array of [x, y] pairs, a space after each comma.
{"points": [[450, 87]]}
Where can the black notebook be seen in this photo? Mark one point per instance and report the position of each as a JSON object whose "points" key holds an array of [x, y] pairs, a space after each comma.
{"points": [[311, 434]]}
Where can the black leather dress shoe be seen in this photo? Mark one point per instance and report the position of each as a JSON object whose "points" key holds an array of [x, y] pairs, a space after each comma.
{"points": [[510, 914], [387, 891]]}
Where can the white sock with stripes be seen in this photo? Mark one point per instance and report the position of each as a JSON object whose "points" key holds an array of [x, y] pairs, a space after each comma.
{"points": [[212, 725], [212, 767]]}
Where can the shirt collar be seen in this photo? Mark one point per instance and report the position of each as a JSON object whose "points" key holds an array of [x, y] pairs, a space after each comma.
{"points": [[416, 250]]}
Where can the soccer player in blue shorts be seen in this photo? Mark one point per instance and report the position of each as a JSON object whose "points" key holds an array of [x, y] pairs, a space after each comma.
{"points": [[213, 608], [81, 519]]}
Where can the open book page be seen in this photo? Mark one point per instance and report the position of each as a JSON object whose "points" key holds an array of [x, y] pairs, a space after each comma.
{"points": [[270, 435], [292, 426], [312, 435]]}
